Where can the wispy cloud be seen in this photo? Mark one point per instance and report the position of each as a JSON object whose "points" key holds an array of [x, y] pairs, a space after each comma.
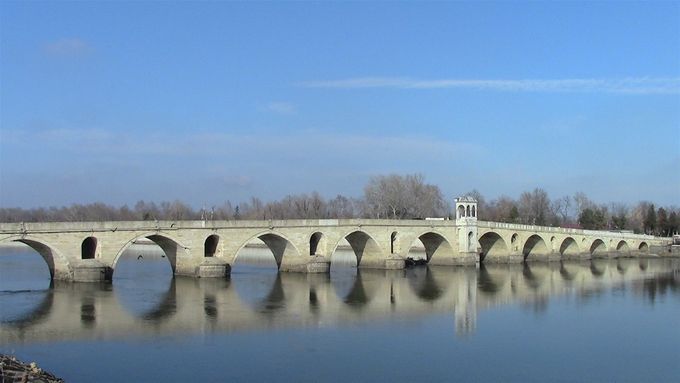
{"points": [[67, 47], [631, 85], [281, 107]]}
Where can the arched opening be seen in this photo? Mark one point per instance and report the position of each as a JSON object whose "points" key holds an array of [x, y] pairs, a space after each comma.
{"points": [[143, 273], [21, 260], [474, 211], [25, 279], [534, 247], [493, 246], [393, 241], [598, 247], [88, 248], [569, 247], [467, 211], [513, 241], [314, 242], [461, 211], [471, 242], [643, 247], [553, 243], [365, 249], [623, 247], [210, 245], [431, 247], [143, 276], [269, 250]]}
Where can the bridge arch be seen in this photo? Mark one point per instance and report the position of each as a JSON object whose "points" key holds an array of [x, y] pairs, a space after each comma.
{"points": [[436, 245], [365, 247], [569, 247], [168, 244], [598, 247], [623, 246], [492, 245], [534, 246], [57, 263], [644, 247], [283, 248]]}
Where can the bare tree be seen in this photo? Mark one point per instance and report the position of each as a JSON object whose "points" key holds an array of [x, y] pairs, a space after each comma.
{"points": [[397, 197]]}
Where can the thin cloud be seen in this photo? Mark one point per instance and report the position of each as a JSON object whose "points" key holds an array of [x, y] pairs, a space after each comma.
{"points": [[631, 85], [281, 107], [67, 47]]}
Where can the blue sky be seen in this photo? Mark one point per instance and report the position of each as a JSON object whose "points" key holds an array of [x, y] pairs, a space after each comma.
{"points": [[209, 101]]}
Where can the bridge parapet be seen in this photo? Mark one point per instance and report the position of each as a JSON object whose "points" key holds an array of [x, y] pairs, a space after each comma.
{"points": [[561, 230]]}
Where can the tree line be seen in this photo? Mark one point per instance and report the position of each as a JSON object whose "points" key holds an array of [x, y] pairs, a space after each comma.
{"points": [[386, 196]]}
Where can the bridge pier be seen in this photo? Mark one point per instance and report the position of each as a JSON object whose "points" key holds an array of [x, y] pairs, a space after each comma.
{"points": [[507, 259], [314, 264], [463, 259], [213, 268], [91, 270]]}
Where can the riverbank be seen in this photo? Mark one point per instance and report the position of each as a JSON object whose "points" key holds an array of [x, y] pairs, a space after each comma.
{"points": [[15, 371]]}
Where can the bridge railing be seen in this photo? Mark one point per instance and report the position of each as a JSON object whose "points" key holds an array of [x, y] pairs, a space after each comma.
{"points": [[560, 230]]}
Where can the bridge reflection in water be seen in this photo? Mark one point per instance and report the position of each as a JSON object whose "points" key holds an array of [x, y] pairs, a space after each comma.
{"points": [[252, 299]]}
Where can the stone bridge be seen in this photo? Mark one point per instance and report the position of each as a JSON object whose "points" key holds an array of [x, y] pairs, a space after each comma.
{"points": [[89, 251]]}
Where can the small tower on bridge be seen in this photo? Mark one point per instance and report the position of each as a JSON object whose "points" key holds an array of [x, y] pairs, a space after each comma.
{"points": [[466, 225]]}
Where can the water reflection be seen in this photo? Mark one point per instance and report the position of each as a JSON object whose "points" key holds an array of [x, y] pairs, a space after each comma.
{"points": [[251, 299]]}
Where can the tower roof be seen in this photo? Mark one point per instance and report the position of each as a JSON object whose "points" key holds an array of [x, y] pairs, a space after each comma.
{"points": [[466, 198]]}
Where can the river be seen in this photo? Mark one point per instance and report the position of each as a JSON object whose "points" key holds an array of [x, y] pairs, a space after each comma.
{"points": [[613, 320]]}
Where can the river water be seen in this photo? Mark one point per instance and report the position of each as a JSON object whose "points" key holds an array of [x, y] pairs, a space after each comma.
{"points": [[614, 320]]}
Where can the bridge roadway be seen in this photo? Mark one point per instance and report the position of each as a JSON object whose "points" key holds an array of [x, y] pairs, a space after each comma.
{"points": [[292, 300], [89, 251]]}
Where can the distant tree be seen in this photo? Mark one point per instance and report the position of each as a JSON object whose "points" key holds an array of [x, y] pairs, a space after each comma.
{"points": [[534, 207], [395, 196], [673, 223], [650, 220], [592, 219], [619, 216], [662, 222], [514, 214]]}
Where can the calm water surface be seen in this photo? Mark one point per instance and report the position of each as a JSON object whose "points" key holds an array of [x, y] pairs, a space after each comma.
{"points": [[601, 320]]}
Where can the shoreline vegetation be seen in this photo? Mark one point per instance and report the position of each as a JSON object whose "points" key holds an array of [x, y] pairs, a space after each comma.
{"points": [[385, 197]]}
